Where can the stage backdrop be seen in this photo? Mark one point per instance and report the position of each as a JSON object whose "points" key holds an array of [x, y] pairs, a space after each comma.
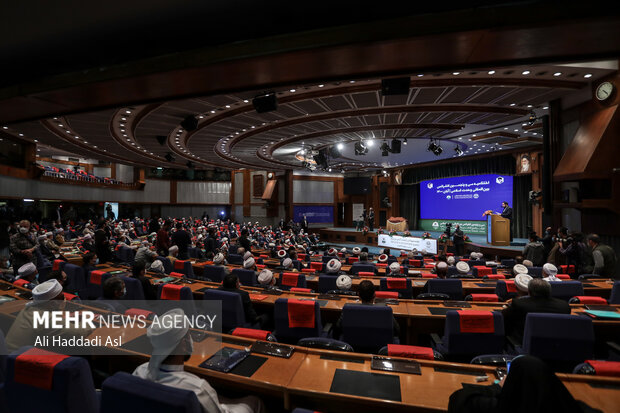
{"points": [[502, 164], [316, 214]]}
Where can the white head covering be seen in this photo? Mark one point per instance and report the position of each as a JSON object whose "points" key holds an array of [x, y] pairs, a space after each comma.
{"points": [[87, 236], [528, 263], [249, 263], [522, 281], [247, 255], [265, 277], [441, 264], [519, 269], [356, 250], [383, 258], [333, 266], [49, 234], [462, 267], [173, 249], [165, 340], [450, 260], [410, 255], [158, 266], [41, 237], [48, 290], [423, 252], [272, 245], [281, 253], [287, 263], [473, 255], [218, 259], [550, 269], [343, 250], [332, 251], [26, 270], [343, 282], [395, 268]]}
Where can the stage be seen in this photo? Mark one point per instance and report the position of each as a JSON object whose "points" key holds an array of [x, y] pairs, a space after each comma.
{"points": [[349, 237]]}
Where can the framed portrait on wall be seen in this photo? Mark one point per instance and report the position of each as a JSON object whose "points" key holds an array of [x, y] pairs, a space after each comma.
{"points": [[524, 164]]}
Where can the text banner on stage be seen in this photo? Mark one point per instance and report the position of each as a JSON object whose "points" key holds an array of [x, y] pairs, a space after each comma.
{"points": [[468, 227], [408, 243]]}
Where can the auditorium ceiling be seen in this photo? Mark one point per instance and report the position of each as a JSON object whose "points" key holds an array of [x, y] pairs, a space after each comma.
{"points": [[477, 111]]}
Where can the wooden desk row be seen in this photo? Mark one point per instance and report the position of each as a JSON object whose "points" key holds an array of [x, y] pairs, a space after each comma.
{"points": [[305, 379]]}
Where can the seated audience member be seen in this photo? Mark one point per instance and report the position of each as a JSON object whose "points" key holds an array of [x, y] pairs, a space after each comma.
{"points": [[59, 276], [113, 291], [528, 263], [139, 272], [333, 267], [267, 280], [343, 251], [47, 296], [29, 273], [145, 256], [157, 267], [519, 269], [89, 260], [382, 258], [247, 255], [451, 261], [172, 347], [249, 264], [343, 282], [539, 300], [441, 269], [356, 251], [395, 270], [364, 257], [550, 272], [219, 261], [462, 267], [173, 253], [287, 265], [231, 284], [366, 293], [531, 386], [53, 247]]}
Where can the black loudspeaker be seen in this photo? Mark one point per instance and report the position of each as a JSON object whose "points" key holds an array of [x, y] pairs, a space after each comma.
{"points": [[265, 103], [395, 146], [161, 139], [190, 123], [395, 86], [321, 159]]}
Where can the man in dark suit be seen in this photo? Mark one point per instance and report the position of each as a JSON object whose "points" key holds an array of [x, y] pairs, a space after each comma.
{"points": [[371, 219], [231, 284], [182, 240], [304, 224], [458, 238], [507, 213], [539, 300]]}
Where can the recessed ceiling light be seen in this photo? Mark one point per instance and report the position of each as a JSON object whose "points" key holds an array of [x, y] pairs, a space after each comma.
{"points": [[516, 130], [122, 130], [545, 107], [245, 101], [351, 81], [292, 90], [489, 131], [587, 75], [5, 127], [557, 74], [491, 72], [60, 125], [201, 116], [529, 106], [123, 118], [456, 73], [512, 104], [212, 111], [421, 75], [473, 136], [227, 106], [321, 85], [525, 72], [20, 134], [127, 111]]}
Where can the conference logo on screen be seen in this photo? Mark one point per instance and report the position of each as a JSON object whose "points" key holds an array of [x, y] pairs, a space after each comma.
{"points": [[499, 179], [429, 185], [476, 196], [435, 224], [449, 197]]}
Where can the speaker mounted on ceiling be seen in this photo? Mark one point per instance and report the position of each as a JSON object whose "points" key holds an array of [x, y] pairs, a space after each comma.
{"points": [[395, 86], [265, 103], [190, 123], [395, 146]]}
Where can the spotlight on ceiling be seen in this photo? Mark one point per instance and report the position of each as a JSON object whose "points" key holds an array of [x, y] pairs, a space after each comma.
{"points": [[169, 157], [458, 151], [360, 148], [385, 149], [435, 148], [532, 119], [405, 141], [265, 102]]}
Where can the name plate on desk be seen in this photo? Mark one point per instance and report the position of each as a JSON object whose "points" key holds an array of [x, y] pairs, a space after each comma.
{"points": [[329, 297], [401, 366], [460, 304], [272, 349], [388, 301]]}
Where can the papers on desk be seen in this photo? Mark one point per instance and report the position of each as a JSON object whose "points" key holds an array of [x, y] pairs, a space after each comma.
{"points": [[257, 297], [389, 364], [609, 315]]}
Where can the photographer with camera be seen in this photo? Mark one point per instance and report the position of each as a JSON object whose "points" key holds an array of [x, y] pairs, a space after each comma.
{"points": [[458, 239], [554, 255]]}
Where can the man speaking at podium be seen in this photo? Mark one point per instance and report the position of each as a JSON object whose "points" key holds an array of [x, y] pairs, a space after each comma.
{"points": [[507, 213]]}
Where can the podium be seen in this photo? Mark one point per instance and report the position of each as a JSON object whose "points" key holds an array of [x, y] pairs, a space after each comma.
{"points": [[498, 230]]}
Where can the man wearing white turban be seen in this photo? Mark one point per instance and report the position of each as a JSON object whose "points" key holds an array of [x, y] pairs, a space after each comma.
{"points": [[172, 347]]}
